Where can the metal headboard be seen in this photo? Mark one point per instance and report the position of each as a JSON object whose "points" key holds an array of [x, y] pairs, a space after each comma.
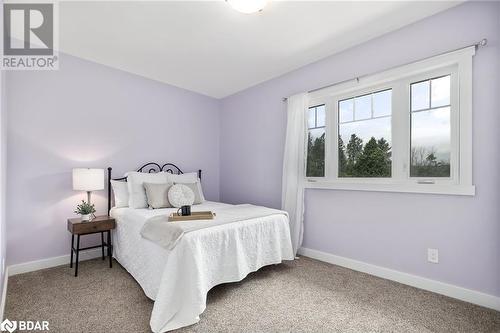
{"points": [[150, 167]]}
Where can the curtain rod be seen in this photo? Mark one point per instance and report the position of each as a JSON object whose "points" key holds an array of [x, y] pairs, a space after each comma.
{"points": [[481, 43]]}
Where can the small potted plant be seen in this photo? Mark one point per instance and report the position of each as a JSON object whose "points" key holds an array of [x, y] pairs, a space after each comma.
{"points": [[86, 210]]}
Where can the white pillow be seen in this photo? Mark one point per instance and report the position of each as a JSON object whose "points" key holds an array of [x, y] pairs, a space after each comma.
{"points": [[180, 195], [120, 190], [137, 192], [191, 177]]}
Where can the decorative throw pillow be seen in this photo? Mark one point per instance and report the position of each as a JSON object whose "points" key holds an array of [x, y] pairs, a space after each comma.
{"points": [[137, 192], [180, 195], [157, 195], [120, 190], [198, 192]]}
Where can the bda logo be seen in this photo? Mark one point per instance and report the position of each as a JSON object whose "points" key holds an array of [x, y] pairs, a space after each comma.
{"points": [[24, 325], [8, 325]]}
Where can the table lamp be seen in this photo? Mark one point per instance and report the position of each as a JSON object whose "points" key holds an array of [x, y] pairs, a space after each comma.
{"points": [[88, 180]]}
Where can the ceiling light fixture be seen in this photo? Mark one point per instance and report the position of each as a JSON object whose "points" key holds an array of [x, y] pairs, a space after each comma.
{"points": [[248, 6]]}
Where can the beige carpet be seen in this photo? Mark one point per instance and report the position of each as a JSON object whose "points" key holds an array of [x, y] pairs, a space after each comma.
{"points": [[301, 296]]}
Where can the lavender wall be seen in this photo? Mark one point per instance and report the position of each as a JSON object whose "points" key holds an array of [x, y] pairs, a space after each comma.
{"points": [[3, 168], [392, 230], [88, 115]]}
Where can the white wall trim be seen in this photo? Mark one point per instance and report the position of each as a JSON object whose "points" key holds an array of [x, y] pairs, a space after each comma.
{"points": [[467, 295], [50, 262], [4, 292], [469, 190]]}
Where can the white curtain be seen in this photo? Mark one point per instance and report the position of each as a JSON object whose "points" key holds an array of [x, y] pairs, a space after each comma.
{"points": [[292, 193]]}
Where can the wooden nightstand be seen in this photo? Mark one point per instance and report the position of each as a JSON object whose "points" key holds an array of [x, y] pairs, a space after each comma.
{"points": [[100, 224]]}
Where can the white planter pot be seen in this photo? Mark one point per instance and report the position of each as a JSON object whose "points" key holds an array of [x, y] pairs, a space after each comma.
{"points": [[86, 217]]}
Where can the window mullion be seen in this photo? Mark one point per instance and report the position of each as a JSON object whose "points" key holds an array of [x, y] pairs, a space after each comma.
{"points": [[333, 127], [400, 132]]}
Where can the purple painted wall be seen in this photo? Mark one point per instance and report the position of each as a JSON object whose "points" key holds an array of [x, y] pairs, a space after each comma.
{"points": [[392, 230], [3, 168], [89, 115]]}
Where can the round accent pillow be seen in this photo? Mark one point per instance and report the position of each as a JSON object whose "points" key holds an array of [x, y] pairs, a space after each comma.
{"points": [[180, 195]]}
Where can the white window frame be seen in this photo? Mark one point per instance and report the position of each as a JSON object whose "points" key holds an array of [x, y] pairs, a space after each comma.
{"points": [[459, 65]]}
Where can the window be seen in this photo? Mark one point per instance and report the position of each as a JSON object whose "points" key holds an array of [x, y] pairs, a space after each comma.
{"points": [[430, 128], [407, 129], [316, 122], [364, 145]]}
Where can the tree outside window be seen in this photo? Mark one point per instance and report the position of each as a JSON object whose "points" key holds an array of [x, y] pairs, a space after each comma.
{"points": [[316, 120], [364, 136]]}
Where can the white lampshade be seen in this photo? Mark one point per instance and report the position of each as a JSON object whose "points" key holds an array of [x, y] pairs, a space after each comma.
{"points": [[88, 179], [248, 6]]}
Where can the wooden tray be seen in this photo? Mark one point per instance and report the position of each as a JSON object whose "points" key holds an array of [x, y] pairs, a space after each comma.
{"points": [[194, 216]]}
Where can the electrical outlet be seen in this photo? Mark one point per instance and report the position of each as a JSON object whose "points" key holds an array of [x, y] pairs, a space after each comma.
{"points": [[433, 256]]}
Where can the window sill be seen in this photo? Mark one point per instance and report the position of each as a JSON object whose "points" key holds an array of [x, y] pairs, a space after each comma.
{"points": [[468, 190]]}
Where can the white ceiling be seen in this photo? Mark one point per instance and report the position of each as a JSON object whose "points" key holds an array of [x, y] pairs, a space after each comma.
{"points": [[209, 48]]}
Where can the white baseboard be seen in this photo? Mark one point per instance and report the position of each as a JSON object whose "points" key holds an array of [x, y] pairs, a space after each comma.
{"points": [[467, 295], [50, 262], [4, 292]]}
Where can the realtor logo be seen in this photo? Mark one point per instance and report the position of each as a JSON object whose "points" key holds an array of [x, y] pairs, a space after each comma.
{"points": [[8, 325], [29, 36], [33, 24]]}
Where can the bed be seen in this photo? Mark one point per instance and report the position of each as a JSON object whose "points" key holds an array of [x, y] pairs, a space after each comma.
{"points": [[179, 279]]}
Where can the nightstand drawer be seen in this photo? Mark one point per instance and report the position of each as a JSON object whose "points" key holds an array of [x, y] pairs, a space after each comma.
{"points": [[77, 227], [90, 227]]}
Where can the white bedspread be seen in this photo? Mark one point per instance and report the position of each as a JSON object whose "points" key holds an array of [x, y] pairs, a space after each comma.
{"points": [[179, 279], [166, 234]]}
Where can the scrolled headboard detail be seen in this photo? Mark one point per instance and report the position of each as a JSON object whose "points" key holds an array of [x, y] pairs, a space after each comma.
{"points": [[150, 167]]}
